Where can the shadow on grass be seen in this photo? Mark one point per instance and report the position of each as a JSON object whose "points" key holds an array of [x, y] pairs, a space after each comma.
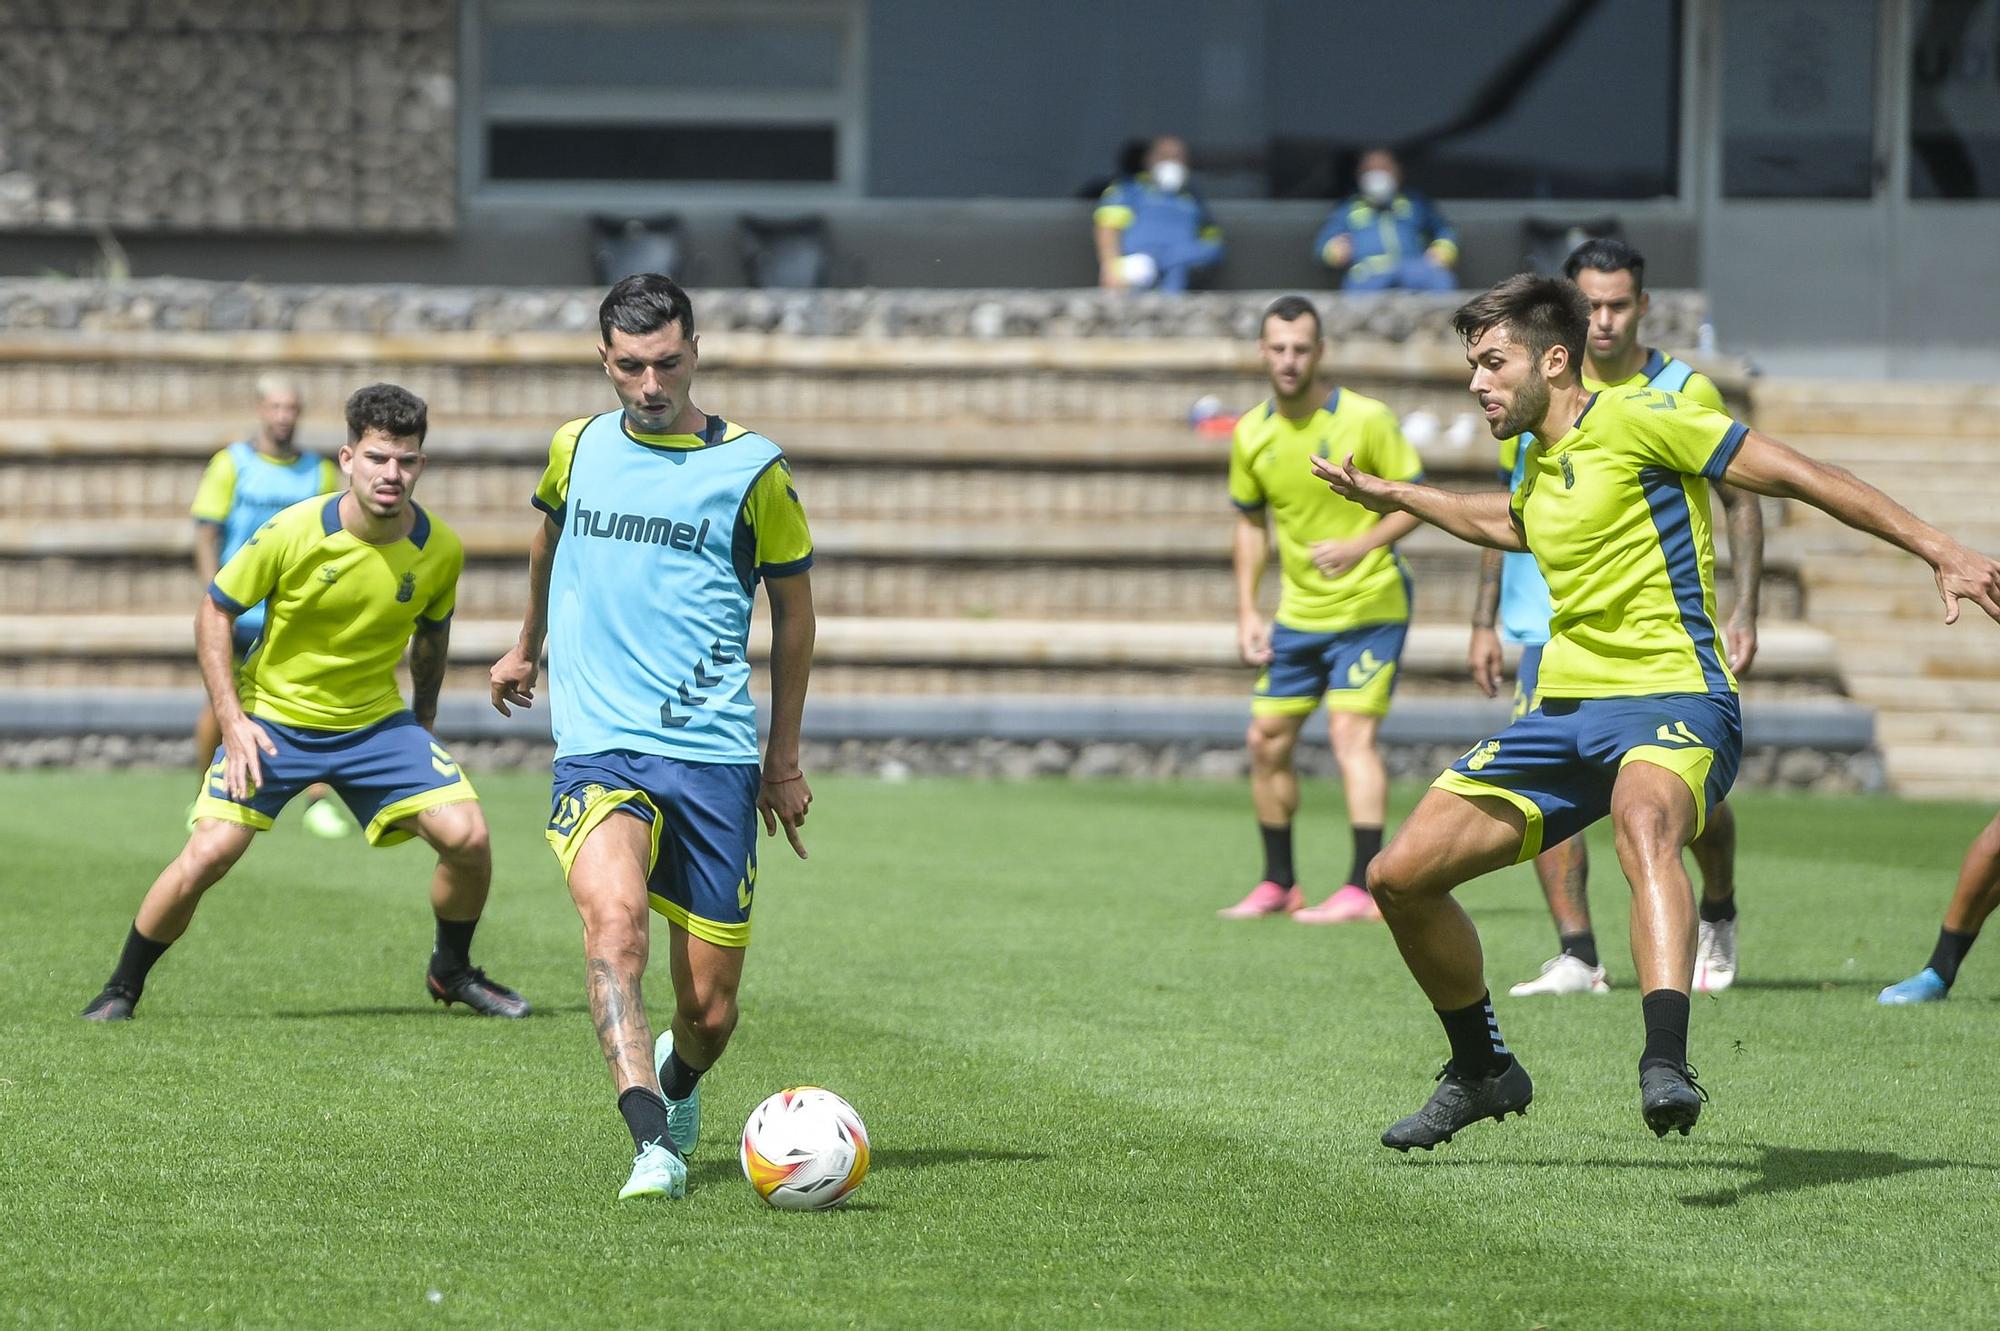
{"points": [[413, 1010], [714, 1170], [1777, 1169], [1803, 985]]}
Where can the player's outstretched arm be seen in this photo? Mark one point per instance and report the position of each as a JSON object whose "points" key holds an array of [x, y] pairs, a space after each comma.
{"points": [[513, 677], [242, 738], [428, 648], [1482, 518], [783, 796], [1766, 467]]}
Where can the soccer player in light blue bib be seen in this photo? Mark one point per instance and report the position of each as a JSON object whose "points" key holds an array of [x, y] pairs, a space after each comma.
{"points": [[243, 487], [1611, 275], [659, 520]]}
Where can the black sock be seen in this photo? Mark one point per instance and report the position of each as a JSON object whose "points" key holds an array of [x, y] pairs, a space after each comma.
{"points": [[141, 952], [646, 1115], [1278, 855], [677, 1079], [1666, 1029], [1717, 912], [453, 950], [1582, 946], [1476, 1047], [1950, 950], [1367, 844]]}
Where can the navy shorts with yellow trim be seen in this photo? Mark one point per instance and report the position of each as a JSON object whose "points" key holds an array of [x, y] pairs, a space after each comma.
{"points": [[703, 866], [383, 773], [1557, 764], [1528, 679], [1353, 670]]}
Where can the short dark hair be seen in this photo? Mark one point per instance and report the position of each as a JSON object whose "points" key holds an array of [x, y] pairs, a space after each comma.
{"points": [[387, 410], [1289, 308], [1540, 312], [1606, 255], [645, 303]]}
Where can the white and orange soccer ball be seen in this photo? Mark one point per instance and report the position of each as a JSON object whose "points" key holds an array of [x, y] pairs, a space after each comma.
{"points": [[805, 1149]]}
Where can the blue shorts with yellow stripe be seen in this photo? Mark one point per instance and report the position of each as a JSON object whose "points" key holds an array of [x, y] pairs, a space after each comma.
{"points": [[1556, 764], [384, 773], [1353, 670], [703, 865]]}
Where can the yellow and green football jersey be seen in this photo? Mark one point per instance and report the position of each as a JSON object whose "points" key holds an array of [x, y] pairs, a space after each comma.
{"points": [[1270, 470], [341, 612], [1617, 515]]}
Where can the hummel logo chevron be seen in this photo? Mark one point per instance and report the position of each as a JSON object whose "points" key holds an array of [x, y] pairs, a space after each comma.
{"points": [[721, 655], [704, 680], [692, 699]]}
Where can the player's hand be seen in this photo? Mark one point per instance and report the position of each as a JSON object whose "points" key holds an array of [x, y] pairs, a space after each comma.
{"points": [[1350, 482], [242, 770], [1334, 558], [1339, 252], [1484, 660], [1253, 642], [1741, 635], [513, 681], [784, 803], [1967, 574], [1109, 277]]}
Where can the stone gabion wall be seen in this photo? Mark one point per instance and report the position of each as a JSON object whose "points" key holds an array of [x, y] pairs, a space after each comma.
{"points": [[1821, 770], [180, 305], [181, 115]]}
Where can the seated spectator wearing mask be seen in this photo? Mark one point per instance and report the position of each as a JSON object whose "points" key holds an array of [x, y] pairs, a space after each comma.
{"points": [[1386, 237], [1152, 230]]}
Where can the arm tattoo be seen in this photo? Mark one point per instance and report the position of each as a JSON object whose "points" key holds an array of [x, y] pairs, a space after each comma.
{"points": [[427, 653], [1486, 602], [619, 1011]]}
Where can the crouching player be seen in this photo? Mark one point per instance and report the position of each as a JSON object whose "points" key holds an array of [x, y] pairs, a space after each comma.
{"points": [[351, 579]]}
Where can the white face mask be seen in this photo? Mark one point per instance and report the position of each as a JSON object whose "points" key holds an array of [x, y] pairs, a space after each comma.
{"points": [[1378, 187], [1170, 175]]}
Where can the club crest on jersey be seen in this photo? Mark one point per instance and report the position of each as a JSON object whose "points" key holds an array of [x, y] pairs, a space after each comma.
{"points": [[329, 573], [407, 588]]}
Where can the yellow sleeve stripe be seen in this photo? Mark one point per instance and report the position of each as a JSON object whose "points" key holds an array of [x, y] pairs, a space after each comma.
{"points": [[1114, 215]]}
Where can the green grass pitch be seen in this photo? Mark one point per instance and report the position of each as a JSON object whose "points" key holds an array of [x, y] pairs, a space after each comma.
{"points": [[1092, 1103]]}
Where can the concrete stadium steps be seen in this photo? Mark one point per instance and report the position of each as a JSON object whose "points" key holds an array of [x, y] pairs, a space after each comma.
{"points": [[924, 655], [1072, 567], [1936, 690]]}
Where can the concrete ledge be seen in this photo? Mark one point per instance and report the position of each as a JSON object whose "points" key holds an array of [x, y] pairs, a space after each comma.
{"points": [[1787, 649], [1831, 725]]}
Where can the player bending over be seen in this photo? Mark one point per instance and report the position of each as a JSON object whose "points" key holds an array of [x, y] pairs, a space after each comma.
{"points": [[659, 521], [350, 579], [1639, 716]]}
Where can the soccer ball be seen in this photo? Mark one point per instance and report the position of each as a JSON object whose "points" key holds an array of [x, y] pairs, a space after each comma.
{"points": [[805, 1149]]}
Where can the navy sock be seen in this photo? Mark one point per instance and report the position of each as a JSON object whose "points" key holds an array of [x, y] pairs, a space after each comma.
{"points": [[1476, 1047], [1278, 854], [1367, 845], [1950, 950], [646, 1115], [138, 956], [453, 951], [1582, 946], [1666, 1012], [677, 1079], [1718, 912]]}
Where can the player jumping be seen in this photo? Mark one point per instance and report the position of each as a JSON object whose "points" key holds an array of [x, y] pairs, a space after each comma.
{"points": [[1639, 716]]}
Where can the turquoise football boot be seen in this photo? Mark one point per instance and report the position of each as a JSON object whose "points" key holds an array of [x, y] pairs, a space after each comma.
{"points": [[1926, 986], [683, 1116], [656, 1172]]}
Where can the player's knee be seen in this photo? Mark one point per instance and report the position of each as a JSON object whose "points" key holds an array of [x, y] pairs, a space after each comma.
{"points": [[614, 928], [1645, 829], [211, 852], [712, 1015], [1269, 747], [1390, 880], [1354, 739], [465, 841]]}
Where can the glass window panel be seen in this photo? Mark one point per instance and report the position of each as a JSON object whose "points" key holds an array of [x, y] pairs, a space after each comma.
{"points": [[1955, 100], [701, 151], [649, 51], [1798, 99]]}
